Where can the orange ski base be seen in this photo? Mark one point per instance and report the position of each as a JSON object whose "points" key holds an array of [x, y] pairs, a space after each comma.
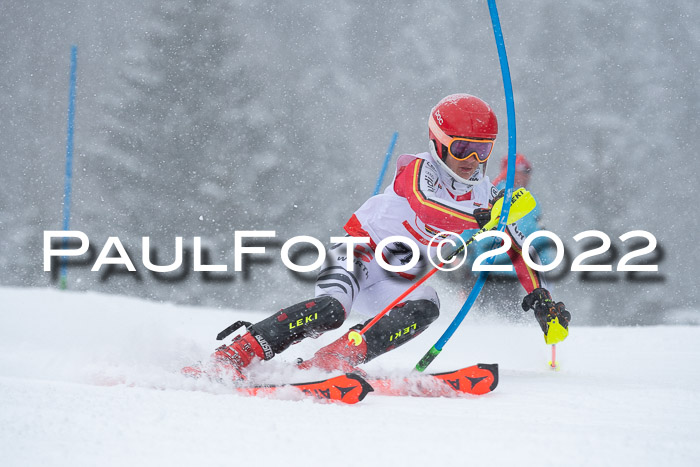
{"points": [[347, 389], [475, 380]]}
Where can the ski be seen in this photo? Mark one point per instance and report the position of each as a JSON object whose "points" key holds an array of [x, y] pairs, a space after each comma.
{"points": [[348, 389], [475, 380], [352, 388]]}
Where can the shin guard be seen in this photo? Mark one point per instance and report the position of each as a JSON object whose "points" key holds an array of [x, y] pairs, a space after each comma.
{"points": [[400, 325], [310, 318]]}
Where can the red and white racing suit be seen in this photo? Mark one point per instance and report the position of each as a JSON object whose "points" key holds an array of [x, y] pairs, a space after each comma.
{"points": [[422, 201]]}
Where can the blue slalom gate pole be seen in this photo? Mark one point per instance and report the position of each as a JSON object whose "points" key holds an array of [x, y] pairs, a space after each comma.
{"points": [[69, 159], [510, 177], [387, 158]]}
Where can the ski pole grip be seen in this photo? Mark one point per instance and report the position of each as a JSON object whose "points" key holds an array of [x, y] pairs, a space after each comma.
{"points": [[427, 359]]}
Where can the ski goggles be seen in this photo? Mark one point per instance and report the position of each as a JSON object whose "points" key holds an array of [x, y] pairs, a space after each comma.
{"points": [[463, 148]]}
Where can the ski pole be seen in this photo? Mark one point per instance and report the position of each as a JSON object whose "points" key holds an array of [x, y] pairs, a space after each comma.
{"points": [[553, 363], [387, 158], [523, 202], [510, 176]]}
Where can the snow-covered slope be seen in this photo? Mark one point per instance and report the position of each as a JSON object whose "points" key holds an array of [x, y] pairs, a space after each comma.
{"points": [[624, 396]]}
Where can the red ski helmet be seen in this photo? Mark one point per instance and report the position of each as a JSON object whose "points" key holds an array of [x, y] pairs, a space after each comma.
{"points": [[460, 116]]}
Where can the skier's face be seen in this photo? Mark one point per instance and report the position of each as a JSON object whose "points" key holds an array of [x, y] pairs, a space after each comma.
{"points": [[464, 168]]}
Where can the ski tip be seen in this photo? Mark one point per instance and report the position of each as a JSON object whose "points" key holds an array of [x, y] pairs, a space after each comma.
{"points": [[348, 389], [493, 368], [365, 387]]}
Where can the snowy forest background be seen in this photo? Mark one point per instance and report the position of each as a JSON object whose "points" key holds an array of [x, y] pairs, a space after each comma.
{"points": [[198, 118]]}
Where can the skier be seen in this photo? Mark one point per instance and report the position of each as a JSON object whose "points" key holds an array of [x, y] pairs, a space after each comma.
{"points": [[445, 189]]}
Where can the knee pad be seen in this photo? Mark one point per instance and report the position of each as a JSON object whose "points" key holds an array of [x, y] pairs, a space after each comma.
{"points": [[310, 318], [400, 325]]}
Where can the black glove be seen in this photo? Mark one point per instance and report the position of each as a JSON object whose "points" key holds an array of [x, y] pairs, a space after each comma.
{"points": [[482, 216], [545, 309]]}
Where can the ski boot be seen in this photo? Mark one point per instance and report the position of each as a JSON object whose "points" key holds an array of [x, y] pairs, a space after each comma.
{"points": [[228, 361], [401, 324], [271, 336], [340, 355]]}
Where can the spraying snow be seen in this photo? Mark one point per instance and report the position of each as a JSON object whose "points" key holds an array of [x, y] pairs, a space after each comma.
{"points": [[89, 379]]}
